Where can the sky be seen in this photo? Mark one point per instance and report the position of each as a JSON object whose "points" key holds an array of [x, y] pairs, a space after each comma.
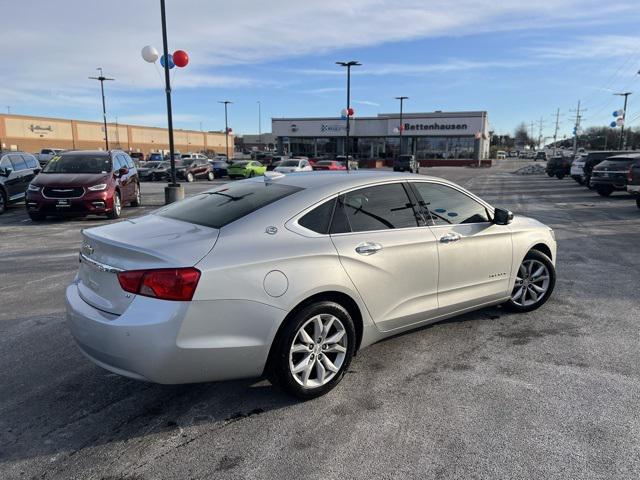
{"points": [[518, 60]]}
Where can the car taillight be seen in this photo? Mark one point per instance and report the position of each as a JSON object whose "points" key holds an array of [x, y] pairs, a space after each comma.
{"points": [[165, 283]]}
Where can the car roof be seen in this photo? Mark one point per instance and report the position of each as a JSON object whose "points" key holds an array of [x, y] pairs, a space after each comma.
{"points": [[92, 152], [631, 156]]}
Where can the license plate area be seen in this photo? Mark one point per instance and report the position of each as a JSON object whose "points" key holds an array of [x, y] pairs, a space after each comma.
{"points": [[63, 203]]}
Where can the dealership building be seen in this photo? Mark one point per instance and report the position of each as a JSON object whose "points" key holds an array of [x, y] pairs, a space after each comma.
{"points": [[434, 136], [31, 134]]}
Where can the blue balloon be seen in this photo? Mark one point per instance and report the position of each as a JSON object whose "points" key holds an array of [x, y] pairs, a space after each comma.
{"points": [[613, 125], [615, 113], [171, 64]]}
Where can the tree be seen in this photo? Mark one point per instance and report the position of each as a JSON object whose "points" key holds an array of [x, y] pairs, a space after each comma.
{"points": [[521, 136]]}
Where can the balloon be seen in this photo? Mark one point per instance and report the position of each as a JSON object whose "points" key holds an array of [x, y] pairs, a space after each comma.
{"points": [[620, 121], [613, 125], [180, 58], [171, 64], [351, 111], [150, 54], [343, 113], [229, 130]]}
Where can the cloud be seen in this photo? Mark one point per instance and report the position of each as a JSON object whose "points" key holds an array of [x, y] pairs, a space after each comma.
{"points": [[600, 46], [367, 102]]}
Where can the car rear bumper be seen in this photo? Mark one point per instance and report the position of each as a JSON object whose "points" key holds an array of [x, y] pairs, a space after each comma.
{"points": [[176, 342], [633, 189], [616, 183]]}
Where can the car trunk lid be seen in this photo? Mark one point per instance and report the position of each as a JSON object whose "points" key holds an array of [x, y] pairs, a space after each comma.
{"points": [[144, 243]]}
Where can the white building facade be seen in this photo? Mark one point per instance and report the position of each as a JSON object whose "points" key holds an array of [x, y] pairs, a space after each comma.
{"points": [[428, 136]]}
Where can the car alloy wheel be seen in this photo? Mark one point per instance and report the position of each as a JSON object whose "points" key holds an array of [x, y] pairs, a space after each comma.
{"points": [[532, 283], [318, 351], [137, 200], [210, 176], [117, 206], [189, 177]]}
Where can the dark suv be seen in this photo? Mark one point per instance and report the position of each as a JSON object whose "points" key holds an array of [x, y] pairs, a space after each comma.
{"points": [[558, 166], [594, 158], [193, 168], [633, 180], [83, 182], [611, 174], [405, 163], [17, 169]]}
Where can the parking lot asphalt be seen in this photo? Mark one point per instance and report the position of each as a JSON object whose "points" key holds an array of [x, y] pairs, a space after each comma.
{"points": [[551, 394]]}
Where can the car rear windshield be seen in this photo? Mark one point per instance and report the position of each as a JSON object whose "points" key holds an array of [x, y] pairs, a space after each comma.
{"points": [[79, 164], [289, 163], [217, 208]]}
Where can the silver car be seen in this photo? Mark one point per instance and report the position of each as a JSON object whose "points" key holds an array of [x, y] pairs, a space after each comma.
{"points": [[288, 276]]}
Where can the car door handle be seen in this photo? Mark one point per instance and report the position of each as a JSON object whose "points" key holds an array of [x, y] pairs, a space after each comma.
{"points": [[368, 248], [450, 237]]}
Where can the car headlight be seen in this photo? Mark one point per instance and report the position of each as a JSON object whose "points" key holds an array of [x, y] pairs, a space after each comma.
{"points": [[34, 188], [99, 187]]}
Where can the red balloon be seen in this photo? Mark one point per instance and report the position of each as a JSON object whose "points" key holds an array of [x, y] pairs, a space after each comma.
{"points": [[229, 130], [180, 58], [350, 112]]}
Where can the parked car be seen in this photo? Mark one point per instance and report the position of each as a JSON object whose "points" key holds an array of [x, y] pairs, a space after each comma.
{"points": [[17, 169], [329, 165], [501, 155], [81, 182], [294, 165], [246, 169], [220, 168], [612, 174], [193, 156], [47, 154], [155, 157], [540, 156], [271, 162], [594, 158], [192, 168], [353, 163], [558, 166], [577, 168], [633, 180], [296, 300], [153, 171], [406, 163], [137, 156]]}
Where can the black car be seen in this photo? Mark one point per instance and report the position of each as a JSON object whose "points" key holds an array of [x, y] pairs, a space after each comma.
{"points": [[558, 166], [594, 158], [633, 180], [540, 156], [405, 163], [17, 169], [152, 171], [612, 174], [219, 168]]}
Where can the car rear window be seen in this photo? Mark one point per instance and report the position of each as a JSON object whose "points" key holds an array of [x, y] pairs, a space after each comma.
{"points": [[219, 207]]}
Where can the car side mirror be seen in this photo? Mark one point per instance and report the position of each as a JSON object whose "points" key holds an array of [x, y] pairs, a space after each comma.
{"points": [[123, 171], [502, 216]]}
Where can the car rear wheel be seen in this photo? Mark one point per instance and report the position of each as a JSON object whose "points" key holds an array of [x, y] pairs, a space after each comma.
{"points": [[189, 177], [604, 191], [559, 176], [550, 174], [117, 206], [313, 351], [3, 202], [535, 280], [251, 173], [137, 198], [210, 176]]}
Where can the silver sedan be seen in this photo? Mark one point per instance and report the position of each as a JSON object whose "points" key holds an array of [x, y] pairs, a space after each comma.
{"points": [[288, 276]]}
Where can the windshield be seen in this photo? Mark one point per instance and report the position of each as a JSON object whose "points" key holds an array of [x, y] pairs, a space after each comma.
{"points": [[217, 208], [79, 164], [187, 162], [289, 163]]}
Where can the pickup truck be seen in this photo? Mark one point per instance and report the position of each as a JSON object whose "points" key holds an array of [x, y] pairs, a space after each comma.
{"points": [[47, 154]]}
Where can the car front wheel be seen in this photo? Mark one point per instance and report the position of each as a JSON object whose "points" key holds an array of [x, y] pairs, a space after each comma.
{"points": [[313, 351], [604, 191], [189, 177], [117, 206], [137, 198], [210, 176], [535, 280]]}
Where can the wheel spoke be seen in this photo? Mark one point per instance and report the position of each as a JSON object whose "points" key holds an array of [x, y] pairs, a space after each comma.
{"points": [[537, 288], [523, 271], [307, 372], [518, 294], [304, 336], [299, 347], [533, 294], [540, 279], [300, 366], [320, 372], [538, 272], [317, 327], [329, 364], [336, 337], [336, 348], [327, 327], [529, 268]]}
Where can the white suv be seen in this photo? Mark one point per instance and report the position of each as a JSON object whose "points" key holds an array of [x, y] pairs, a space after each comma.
{"points": [[193, 156], [577, 168]]}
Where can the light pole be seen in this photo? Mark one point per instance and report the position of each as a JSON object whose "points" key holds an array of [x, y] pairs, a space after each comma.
{"points": [[226, 127], [402, 99], [624, 115], [102, 79], [349, 64], [259, 122]]}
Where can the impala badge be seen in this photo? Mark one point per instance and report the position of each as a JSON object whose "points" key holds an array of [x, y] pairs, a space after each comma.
{"points": [[87, 249]]}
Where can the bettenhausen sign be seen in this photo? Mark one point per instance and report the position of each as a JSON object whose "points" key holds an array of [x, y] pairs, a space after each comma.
{"points": [[435, 126]]}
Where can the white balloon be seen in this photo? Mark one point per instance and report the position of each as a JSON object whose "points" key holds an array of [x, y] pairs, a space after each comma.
{"points": [[150, 54]]}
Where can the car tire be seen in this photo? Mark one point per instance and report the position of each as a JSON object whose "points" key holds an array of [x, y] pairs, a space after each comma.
{"points": [[604, 191], [117, 206], [559, 176], [210, 176], [326, 362], [36, 217], [190, 177], [3, 202], [550, 174], [251, 173], [137, 198], [638, 202], [533, 283]]}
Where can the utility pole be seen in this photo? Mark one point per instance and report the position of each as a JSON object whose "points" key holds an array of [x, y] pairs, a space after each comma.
{"points": [[576, 129], [624, 116], [555, 132], [9, 109], [540, 125], [259, 122], [102, 79], [226, 128], [531, 131], [400, 128], [348, 65]]}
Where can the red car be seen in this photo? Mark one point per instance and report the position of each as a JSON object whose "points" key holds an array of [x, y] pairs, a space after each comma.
{"points": [[79, 183], [329, 165]]}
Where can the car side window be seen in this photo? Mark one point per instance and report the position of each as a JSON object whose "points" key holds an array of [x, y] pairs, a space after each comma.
{"points": [[117, 163], [31, 161], [5, 163], [18, 162], [130, 163], [374, 208], [318, 220], [447, 205]]}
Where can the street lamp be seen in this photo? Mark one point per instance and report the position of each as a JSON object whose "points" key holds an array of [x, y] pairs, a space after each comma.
{"points": [[624, 115], [259, 122], [226, 127], [400, 128], [102, 79], [348, 65]]}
